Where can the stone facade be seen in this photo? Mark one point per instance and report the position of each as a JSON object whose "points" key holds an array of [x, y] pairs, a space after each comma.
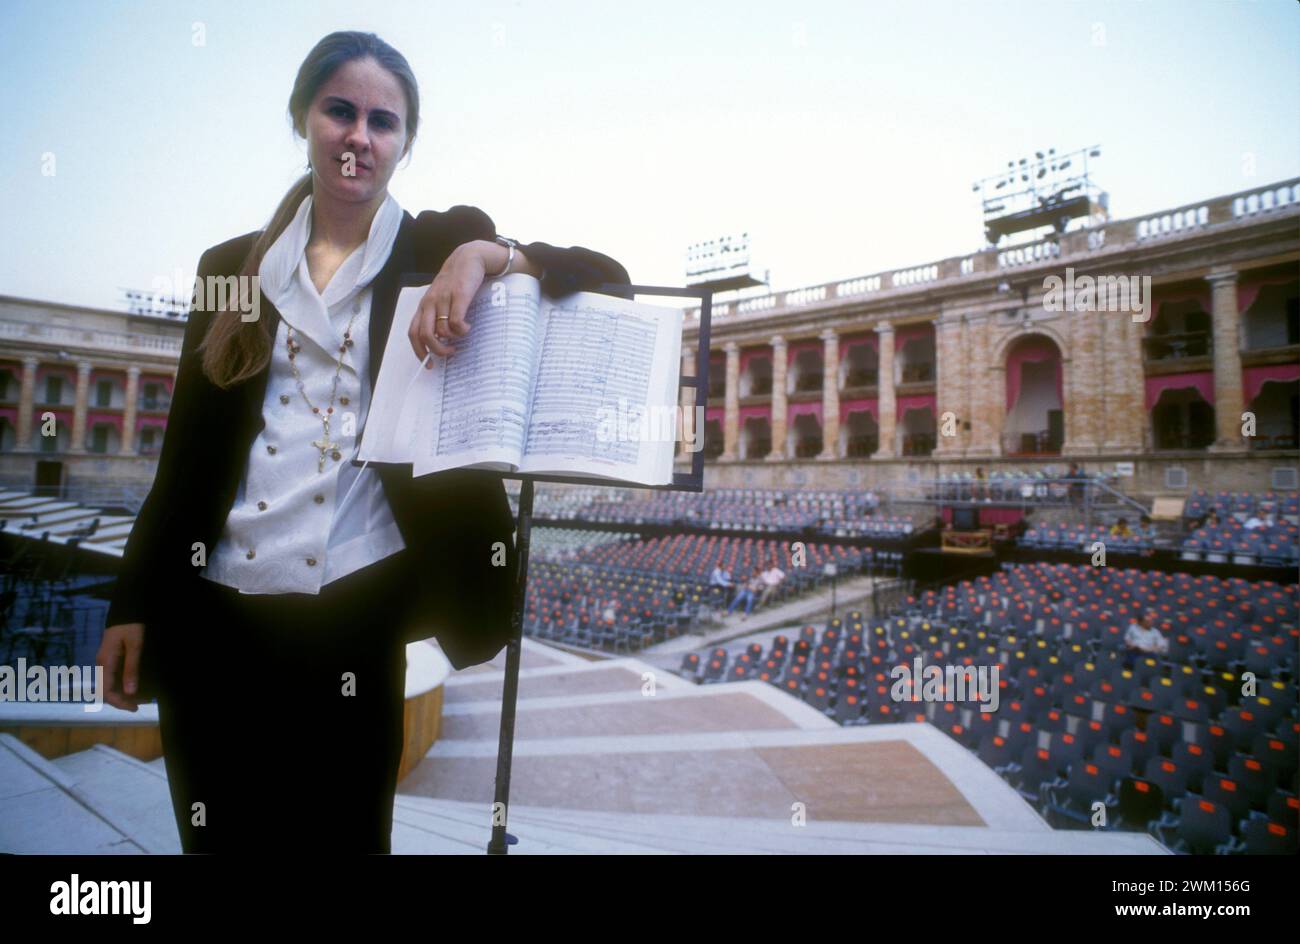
{"points": [[975, 309], [99, 380]]}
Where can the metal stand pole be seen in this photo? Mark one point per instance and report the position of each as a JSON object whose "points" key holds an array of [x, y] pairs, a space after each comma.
{"points": [[510, 694]]}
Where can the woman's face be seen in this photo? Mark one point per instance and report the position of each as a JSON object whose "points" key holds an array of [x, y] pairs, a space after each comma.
{"points": [[360, 111]]}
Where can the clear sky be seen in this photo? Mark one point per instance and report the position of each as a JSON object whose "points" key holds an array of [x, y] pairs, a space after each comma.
{"points": [[843, 136]]}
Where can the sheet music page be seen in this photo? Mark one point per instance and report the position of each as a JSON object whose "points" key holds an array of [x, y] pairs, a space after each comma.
{"points": [[605, 401], [478, 413], [469, 409]]}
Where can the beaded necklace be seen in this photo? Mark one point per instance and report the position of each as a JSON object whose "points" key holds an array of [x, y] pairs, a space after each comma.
{"points": [[323, 444]]}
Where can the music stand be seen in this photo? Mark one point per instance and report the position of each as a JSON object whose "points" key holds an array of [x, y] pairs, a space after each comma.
{"points": [[692, 481]]}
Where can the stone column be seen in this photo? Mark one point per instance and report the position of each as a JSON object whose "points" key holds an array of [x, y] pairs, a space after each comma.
{"points": [[1123, 396], [830, 394], [79, 410], [780, 401], [26, 403], [1084, 411], [983, 438], [1228, 398], [885, 403], [731, 420], [128, 412], [1139, 420], [950, 392]]}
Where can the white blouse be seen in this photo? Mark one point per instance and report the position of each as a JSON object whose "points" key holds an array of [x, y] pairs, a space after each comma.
{"points": [[283, 534]]}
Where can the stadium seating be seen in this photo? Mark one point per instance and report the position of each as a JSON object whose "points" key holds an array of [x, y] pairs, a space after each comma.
{"points": [[1169, 743]]}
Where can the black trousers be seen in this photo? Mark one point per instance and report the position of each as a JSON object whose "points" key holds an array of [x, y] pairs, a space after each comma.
{"points": [[281, 715]]}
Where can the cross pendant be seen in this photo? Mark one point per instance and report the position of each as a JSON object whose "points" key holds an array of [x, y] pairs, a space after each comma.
{"points": [[324, 445]]}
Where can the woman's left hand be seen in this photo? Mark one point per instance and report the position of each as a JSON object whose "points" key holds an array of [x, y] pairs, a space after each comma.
{"points": [[440, 316]]}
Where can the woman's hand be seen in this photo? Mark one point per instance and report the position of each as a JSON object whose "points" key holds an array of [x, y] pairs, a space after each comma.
{"points": [[440, 316], [120, 649], [441, 313]]}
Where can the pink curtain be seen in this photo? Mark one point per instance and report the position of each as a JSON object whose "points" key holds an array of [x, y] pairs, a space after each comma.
{"points": [[1249, 286], [918, 402], [1201, 381], [749, 412], [812, 408], [718, 413], [864, 405], [1254, 378], [911, 333], [1033, 349], [166, 382], [749, 355], [871, 339], [988, 516], [794, 350], [1199, 293]]}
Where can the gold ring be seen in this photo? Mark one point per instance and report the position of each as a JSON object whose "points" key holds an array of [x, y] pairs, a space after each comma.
{"points": [[441, 318]]}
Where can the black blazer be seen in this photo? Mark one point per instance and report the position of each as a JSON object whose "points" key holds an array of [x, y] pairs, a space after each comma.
{"points": [[449, 520]]}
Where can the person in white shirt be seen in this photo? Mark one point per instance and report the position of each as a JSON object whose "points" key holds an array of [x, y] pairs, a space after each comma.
{"points": [[293, 674], [772, 578], [1144, 637]]}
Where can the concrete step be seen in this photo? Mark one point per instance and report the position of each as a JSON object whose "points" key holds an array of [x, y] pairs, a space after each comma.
{"points": [[42, 810], [132, 794], [622, 832]]}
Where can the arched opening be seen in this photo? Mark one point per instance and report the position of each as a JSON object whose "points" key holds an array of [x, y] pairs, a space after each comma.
{"points": [[151, 438], [1277, 415], [1273, 319], [756, 377], [712, 439], [756, 438], [915, 360], [103, 439], [1179, 329], [805, 436], [861, 365], [59, 442], [717, 376], [1035, 423], [1182, 419], [916, 431], [805, 374], [859, 435]]}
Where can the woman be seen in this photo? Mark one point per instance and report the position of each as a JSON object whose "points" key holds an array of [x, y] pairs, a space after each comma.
{"points": [[271, 627]]}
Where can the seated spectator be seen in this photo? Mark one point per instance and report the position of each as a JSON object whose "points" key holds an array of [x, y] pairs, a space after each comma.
{"points": [[772, 578], [1146, 533], [719, 582], [1143, 636], [745, 593], [1120, 529], [1255, 521], [610, 613]]}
